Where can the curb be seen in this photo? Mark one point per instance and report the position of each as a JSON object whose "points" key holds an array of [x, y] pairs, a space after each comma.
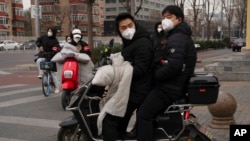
{"points": [[26, 67]]}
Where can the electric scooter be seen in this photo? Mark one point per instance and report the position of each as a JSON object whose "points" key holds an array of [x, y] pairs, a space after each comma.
{"points": [[70, 74], [176, 123]]}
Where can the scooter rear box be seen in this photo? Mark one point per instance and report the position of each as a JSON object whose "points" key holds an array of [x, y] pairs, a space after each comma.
{"points": [[203, 89]]}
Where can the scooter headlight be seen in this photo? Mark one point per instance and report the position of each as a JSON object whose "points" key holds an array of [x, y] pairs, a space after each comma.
{"points": [[68, 74]]}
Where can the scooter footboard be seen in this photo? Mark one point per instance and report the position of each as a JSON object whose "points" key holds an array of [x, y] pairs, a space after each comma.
{"points": [[70, 121]]}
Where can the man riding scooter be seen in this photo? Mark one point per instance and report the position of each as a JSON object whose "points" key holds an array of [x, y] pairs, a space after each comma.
{"points": [[76, 65]]}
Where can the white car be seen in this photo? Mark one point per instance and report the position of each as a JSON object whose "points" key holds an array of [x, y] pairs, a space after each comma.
{"points": [[9, 45]]}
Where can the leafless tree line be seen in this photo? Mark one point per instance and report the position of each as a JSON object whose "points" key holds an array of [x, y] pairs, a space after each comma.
{"points": [[203, 13]]}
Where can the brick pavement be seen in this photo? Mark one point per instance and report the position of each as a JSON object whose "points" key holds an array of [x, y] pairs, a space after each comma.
{"points": [[20, 77], [240, 90]]}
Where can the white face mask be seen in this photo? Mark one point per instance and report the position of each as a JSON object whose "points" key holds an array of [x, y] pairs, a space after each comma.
{"points": [[76, 39], [159, 30], [49, 34], [128, 33], [167, 24]]}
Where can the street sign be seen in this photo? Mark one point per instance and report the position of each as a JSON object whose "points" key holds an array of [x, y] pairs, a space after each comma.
{"points": [[33, 11]]}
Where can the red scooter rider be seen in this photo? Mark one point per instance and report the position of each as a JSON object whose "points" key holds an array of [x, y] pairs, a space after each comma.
{"points": [[77, 65]]}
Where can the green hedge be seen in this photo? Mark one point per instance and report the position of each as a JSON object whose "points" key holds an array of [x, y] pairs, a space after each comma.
{"points": [[211, 44], [96, 52]]}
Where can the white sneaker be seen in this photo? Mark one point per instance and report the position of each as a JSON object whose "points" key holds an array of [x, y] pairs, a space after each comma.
{"points": [[40, 76], [57, 90]]}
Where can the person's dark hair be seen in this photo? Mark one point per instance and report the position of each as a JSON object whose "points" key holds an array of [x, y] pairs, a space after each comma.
{"points": [[66, 37], [122, 16], [174, 9], [156, 25]]}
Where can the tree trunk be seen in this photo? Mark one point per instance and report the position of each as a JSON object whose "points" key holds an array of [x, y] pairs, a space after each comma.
{"points": [[90, 25], [208, 30]]}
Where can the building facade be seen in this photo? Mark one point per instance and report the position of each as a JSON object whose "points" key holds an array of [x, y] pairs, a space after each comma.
{"points": [[148, 15], [11, 18], [68, 14]]}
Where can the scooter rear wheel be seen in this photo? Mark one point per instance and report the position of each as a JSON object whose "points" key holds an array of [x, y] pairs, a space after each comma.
{"points": [[67, 134], [65, 99]]}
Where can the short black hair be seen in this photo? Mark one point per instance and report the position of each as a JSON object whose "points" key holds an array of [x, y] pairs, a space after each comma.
{"points": [[175, 10], [122, 16]]}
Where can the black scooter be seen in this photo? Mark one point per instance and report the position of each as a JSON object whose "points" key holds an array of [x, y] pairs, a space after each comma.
{"points": [[177, 123]]}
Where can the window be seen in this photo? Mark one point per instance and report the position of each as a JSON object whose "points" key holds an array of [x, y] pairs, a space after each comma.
{"points": [[47, 8], [79, 8], [19, 12], [47, 18], [122, 9], [110, 9], [2, 7], [17, 1], [79, 17], [110, 1], [3, 20]]}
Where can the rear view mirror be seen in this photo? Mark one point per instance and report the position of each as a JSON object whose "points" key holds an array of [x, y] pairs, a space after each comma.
{"points": [[111, 43]]}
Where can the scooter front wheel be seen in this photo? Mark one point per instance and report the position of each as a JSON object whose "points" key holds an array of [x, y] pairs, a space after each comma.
{"points": [[70, 134], [65, 99]]}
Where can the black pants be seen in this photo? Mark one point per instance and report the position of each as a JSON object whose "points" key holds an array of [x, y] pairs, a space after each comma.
{"points": [[114, 126], [155, 103]]}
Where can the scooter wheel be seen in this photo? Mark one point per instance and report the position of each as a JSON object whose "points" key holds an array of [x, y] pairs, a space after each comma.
{"points": [[67, 134], [65, 99]]}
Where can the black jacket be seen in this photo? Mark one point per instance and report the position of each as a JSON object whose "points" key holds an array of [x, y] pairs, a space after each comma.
{"points": [[48, 42], [180, 56], [139, 52], [157, 38]]}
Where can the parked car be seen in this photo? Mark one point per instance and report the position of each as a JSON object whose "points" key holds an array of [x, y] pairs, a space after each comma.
{"points": [[237, 44], [30, 44], [9, 45]]}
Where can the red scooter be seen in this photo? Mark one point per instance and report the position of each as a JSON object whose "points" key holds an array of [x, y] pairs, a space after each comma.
{"points": [[71, 77]]}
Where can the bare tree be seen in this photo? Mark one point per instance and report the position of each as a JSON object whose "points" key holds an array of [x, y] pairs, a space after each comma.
{"points": [[227, 5], [62, 14], [127, 5], [210, 5], [180, 3], [196, 6], [241, 15], [27, 23]]}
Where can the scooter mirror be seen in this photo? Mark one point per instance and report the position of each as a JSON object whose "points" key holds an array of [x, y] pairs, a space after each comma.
{"points": [[111, 43]]}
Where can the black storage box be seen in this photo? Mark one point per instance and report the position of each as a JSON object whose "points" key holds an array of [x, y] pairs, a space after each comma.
{"points": [[203, 89], [48, 65]]}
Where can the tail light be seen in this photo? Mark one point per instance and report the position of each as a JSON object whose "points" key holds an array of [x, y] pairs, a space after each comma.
{"points": [[186, 115], [55, 49], [86, 48]]}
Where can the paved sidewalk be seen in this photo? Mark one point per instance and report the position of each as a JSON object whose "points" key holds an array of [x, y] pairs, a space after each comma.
{"points": [[240, 91]]}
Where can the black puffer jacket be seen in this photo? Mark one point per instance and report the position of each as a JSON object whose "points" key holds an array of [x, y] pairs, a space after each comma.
{"points": [[179, 56], [157, 37], [48, 42], [139, 52]]}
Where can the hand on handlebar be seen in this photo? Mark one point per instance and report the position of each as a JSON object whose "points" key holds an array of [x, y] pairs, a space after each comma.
{"points": [[41, 48]]}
